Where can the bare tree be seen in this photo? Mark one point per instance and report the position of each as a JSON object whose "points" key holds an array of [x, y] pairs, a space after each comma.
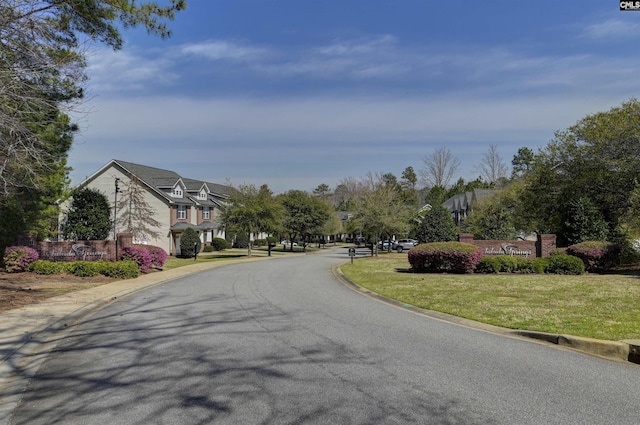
{"points": [[136, 216], [439, 168], [492, 168]]}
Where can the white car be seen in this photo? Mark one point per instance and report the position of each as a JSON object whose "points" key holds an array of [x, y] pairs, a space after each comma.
{"points": [[285, 243], [402, 244]]}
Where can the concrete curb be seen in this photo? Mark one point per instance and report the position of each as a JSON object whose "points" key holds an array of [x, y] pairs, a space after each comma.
{"points": [[621, 351]]}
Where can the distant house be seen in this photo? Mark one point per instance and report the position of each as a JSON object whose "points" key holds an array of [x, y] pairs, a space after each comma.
{"points": [[178, 202], [460, 205]]}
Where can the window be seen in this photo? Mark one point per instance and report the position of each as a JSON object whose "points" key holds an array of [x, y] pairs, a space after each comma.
{"points": [[176, 192], [182, 212], [202, 194], [206, 213]]}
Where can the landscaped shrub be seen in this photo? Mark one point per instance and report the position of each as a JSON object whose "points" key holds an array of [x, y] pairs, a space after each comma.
{"points": [[158, 255], [260, 242], [207, 248], [220, 244], [455, 257], [84, 268], [508, 263], [188, 242], [140, 256], [272, 240], [565, 264], [46, 267], [241, 241], [558, 251], [488, 265], [533, 265], [125, 269], [17, 258], [598, 256]]}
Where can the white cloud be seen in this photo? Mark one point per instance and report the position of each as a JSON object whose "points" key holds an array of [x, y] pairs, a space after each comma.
{"points": [[612, 29], [224, 50], [128, 70]]}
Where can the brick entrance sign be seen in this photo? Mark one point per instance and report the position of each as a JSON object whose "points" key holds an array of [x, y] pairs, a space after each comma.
{"points": [[539, 248], [106, 250]]}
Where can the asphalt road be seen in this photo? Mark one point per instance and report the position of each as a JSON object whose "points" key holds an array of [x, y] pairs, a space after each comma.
{"points": [[283, 342]]}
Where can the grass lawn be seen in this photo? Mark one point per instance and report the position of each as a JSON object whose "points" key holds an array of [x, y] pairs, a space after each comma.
{"points": [[597, 306]]}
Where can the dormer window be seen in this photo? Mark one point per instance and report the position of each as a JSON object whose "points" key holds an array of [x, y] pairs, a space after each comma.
{"points": [[202, 195], [176, 192]]}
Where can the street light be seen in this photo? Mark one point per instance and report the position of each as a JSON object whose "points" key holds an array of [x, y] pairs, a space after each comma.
{"points": [[115, 210]]}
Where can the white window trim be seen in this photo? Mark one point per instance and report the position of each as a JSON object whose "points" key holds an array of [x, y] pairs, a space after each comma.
{"points": [[206, 213], [182, 212]]}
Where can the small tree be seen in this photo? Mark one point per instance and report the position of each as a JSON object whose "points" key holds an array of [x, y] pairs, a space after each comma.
{"points": [[188, 243], [88, 217], [435, 225]]}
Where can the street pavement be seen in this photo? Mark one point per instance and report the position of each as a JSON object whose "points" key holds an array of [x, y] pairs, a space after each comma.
{"points": [[27, 334]]}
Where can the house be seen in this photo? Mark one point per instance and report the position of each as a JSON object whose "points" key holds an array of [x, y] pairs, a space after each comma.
{"points": [[460, 205], [177, 202]]}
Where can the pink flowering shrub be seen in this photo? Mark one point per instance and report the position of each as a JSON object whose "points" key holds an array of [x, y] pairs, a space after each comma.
{"points": [[453, 257], [17, 258], [139, 255], [158, 255], [597, 256]]}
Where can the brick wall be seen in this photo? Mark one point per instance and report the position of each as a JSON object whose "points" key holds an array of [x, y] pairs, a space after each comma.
{"points": [[538, 248], [106, 250]]}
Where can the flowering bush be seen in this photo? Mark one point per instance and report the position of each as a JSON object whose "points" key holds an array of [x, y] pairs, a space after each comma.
{"points": [[139, 255], [158, 255], [597, 256], [455, 257], [17, 258]]}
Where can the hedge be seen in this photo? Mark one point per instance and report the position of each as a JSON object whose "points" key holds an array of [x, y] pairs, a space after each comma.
{"points": [[454, 257], [597, 256], [565, 264], [118, 269]]}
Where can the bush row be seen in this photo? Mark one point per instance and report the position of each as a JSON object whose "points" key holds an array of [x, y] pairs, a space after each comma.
{"points": [[590, 256], [124, 269], [23, 258], [556, 264]]}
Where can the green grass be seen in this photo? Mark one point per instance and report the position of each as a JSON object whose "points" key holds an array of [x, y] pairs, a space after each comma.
{"points": [[597, 306]]}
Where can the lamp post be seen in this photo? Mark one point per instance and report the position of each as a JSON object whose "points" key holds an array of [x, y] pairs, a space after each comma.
{"points": [[115, 210]]}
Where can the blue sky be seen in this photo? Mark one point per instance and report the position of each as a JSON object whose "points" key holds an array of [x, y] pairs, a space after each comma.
{"points": [[296, 93]]}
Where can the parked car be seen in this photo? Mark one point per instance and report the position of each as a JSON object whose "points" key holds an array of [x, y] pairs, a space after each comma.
{"points": [[384, 245], [361, 241], [285, 243], [402, 244]]}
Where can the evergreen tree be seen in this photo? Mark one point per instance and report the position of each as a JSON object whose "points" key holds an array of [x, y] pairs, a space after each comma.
{"points": [[89, 216], [188, 242], [435, 225], [583, 222]]}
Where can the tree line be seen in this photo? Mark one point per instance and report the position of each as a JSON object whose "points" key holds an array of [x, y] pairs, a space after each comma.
{"points": [[583, 185]]}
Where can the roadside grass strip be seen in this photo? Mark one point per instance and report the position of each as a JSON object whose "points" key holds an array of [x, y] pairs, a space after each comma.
{"points": [[596, 306]]}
